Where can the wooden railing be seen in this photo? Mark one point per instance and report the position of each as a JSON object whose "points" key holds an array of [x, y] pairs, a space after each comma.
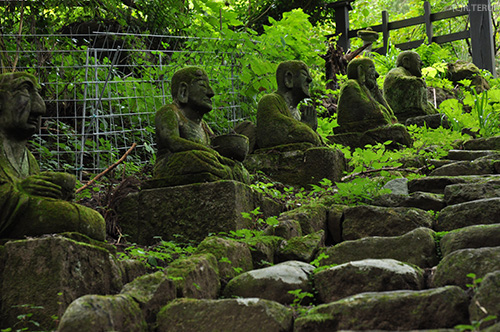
{"points": [[480, 31]]}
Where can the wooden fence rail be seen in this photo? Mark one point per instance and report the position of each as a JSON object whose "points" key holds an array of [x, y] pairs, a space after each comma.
{"points": [[480, 31]]}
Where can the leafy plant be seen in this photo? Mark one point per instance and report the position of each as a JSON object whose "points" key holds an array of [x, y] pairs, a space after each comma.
{"points": [[299, 297]]}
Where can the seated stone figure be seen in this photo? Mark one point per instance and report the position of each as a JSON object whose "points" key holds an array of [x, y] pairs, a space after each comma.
{"points": [[361, 105], [183, 138], [279, 121], [32, 203], [405, 90]]}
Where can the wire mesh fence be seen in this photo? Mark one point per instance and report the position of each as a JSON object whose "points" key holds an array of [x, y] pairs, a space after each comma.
{"points": [[102, 90]]}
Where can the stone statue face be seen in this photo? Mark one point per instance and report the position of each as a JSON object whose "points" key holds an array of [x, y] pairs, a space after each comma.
{"points": [[301, 83], [21, 109], [200, 94], [371, 76], [413, 64]]}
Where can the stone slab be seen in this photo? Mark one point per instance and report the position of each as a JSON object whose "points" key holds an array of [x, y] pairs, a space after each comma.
{"points": [[50, 273], [190, 212]]}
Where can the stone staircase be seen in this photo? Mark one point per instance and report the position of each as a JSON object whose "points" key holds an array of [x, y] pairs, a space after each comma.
{"points": [[402, 263]]}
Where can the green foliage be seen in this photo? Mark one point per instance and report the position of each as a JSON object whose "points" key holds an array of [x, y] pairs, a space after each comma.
{"points": [[359, 190], [475, 325], [157, 256], [299, 297], [475, 281]]}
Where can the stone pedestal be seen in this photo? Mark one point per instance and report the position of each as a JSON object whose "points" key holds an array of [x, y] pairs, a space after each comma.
{"points": [[189, 212], [395, 133], [298, 164], [42, 276]]}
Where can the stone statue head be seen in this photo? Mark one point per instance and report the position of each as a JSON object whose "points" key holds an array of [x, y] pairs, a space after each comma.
{"points": [[190, 87], [21, 106], [294, 76], [410, 61], [363, 70]]}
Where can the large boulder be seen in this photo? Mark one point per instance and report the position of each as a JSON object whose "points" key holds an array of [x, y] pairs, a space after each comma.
{"points": [[443, 307], [416, 247], [272, 283], [50, 273], [196, 276], [190, 211], [245, 315], [436, 184], [455, 267], [483, 211], [477, 236], [366, 220], [99, 313], [368, 275], [486, 300]]}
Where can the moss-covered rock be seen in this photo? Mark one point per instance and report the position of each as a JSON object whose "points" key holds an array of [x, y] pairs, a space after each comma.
{"points": [[455, 267], [483, 211], [286, 228], [151, 292], [436, 184], [196, 276], [433, 121], [272, 283], [51, 272], [396, 310], [486, 300], [301, 248], [245, 315], [233, 257], [366, 220], [264, 249], [98, 313], [416, 247], [477, 236], [369, 275], [335, 217], [312, 217], [461, 70]]}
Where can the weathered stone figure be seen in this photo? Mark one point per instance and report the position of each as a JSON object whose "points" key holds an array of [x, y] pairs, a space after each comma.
{"points": [[31, 203], [279, 121], [405, 90], [183, 138], [361, 105]]}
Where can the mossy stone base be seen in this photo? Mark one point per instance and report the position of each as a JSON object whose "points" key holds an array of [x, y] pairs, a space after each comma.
{"points": [[395, 133], [298, 164], [51, 272], [191, 211]]}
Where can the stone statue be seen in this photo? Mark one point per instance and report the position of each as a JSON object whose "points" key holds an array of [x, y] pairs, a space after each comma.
{"points": [[183, 138], [405, 90], [361, 105], [279, 121], [34, 203]]}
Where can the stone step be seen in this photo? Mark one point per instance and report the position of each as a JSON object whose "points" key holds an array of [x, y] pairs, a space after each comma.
{"points": [[466, 192], [476, 167], [443, 307], [480, 212], [437, 184], [490, 143], [472, 154]]}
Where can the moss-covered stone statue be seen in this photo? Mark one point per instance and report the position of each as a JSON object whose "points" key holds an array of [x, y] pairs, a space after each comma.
{"points": [[279, 121], [405, 90], [33, 203], [288, 148], [183, 138], [361, 105]]}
